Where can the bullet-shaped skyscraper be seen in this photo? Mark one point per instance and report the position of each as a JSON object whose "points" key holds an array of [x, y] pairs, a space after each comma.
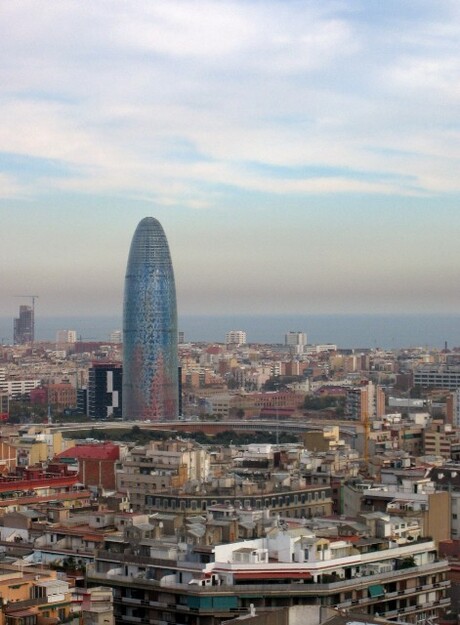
{"points": [[150, 363]]}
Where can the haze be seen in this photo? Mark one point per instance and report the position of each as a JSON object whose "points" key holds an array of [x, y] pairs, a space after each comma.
{"points": [[302, 157]]}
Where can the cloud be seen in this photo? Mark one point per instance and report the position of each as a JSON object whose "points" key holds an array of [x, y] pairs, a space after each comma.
{"points": [[170, 100], [9, 187]]}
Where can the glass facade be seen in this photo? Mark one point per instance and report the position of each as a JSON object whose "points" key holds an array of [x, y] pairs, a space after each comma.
{"points": [[150, 363]]}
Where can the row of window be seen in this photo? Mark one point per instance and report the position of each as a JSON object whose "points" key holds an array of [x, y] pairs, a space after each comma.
{"points": [[273, 502]]}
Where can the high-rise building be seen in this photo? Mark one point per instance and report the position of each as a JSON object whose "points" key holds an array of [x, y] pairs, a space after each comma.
{"points": [[150, 362], [4, 406], [24, 326], [235, 337], [296, 341], [104, 390], [115, 336], [66, 336], [365, 403]]}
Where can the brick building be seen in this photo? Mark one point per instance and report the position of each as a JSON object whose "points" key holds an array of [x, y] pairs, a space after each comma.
{"points": [[96, 463], [62, 396]]}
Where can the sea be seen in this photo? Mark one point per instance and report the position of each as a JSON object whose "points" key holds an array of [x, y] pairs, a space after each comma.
{"points": [[346, 331]]}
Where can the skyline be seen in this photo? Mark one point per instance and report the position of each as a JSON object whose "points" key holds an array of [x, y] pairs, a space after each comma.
{"points": [[301, 156]]}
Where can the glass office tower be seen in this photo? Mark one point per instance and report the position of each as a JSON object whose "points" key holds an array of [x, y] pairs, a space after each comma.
{"points": [[150, 363]]}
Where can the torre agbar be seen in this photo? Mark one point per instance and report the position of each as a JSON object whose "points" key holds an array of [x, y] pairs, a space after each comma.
{"points": [[150, 364]]}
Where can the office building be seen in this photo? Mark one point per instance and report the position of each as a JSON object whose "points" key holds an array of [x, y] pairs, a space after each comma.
{"points": [[4, 406], [235, 337], [438, 376], [105, 390], [150, 362], [82, 400], [296, 341], [18, 388], [24, 326]]}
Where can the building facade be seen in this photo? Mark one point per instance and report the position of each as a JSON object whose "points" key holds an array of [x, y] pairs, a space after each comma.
{"points": [[364, 403], [150, 362], [235, 337], [23, 328], [115, 337], [296, 341], [155, 582], [105, 390], [61, 396], [438, 376], [66, 336]]}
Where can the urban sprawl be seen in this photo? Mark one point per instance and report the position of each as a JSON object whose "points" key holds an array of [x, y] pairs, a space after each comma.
{"points": [[273, 484]]}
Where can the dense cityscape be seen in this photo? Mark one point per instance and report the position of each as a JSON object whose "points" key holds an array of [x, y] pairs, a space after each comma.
{"points": [[229, 312], [148, 479]]}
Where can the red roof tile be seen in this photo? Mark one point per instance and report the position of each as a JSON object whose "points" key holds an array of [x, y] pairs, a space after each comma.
{"points": [[105, 451]]}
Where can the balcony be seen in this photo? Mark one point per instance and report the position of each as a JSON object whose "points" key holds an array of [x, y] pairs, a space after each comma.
{"points": [[291, 589]]}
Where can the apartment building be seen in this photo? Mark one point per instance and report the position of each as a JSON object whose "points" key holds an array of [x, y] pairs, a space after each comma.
{"points": [[411, 499], [365, 402], [33, 596], [156, 581], [235, 337], [175, 477]]}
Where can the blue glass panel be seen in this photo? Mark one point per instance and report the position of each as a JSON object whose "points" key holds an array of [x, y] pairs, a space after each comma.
{"points": [[150, 364]]}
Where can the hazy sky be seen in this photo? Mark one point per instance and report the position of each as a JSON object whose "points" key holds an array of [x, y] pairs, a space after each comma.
{"points": [[302, 156]]}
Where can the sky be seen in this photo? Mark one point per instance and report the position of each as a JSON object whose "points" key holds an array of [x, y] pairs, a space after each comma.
{"points": [[302, 157]]}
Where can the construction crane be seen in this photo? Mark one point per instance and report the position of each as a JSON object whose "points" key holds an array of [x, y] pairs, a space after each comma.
{"points": [[33, 298]]}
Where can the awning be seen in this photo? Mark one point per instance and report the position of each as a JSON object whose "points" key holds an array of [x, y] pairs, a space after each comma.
{"points": [[376, 590], [274, 575]]}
